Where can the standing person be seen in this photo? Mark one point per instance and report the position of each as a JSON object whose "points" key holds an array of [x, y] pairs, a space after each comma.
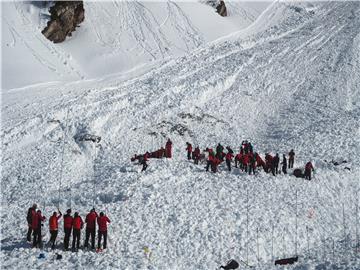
{"points": [[276, 161], [196, 155], [168, 147], [268, 162], [78, 224], [252, 162], [30, 214], [102, 222], [37, 220], [219, 151], [90, 221], [284, 165], [209, 159], [189, 150], [308, 168], [229, 156], [54, 226], [291, 158], [68, 224]]}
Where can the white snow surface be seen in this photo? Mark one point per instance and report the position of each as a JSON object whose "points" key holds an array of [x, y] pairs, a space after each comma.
{"points": [[290, 80], [115, 37]]}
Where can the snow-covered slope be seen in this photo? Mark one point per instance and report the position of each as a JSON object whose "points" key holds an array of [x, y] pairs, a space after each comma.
{"points": [[116, 36], [293, 82]]}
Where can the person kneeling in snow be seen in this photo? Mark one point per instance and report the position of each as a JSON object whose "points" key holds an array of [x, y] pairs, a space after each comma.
{"points": [[102, 221]]}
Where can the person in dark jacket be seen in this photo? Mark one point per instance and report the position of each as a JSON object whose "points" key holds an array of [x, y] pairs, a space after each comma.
{"points": [[90, 221], [291, 158], [219, 151], [78, 224], [102, 221], [30, 213], [53, 227], [37, 220], [284, 165], [143, 161], [68, 224], [308, 168], [276, 161]]}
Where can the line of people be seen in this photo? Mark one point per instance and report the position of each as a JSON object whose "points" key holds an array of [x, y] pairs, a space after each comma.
{"points": [[160, 153], [72, 225], [246, 160]]}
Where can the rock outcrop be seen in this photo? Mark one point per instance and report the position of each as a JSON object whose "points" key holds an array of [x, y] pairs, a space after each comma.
{"points": [[65, 17], [221, 9]]}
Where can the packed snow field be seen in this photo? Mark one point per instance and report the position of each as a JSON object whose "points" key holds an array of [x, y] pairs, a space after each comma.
{"points": [[289, 80]]}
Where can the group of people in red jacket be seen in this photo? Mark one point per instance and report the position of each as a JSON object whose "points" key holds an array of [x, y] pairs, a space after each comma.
{"points": [[72, 224], [247, 160], [160, 153]]}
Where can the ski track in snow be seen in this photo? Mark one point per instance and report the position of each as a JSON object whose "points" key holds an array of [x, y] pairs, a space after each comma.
{"points": [[281, 88]]}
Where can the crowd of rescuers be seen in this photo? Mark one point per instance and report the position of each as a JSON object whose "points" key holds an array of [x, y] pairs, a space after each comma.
{"points": [[72, 225], [246, 160]]}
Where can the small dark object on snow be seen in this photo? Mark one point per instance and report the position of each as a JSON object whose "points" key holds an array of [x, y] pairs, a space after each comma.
{"points": [[232, 264], [298, 173], [291, 260], [347, 168], [58, 256], [89, 137], [41, 256]]}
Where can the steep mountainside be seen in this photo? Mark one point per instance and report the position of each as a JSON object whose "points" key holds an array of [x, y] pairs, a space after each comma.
{"points": [[290, 80]]}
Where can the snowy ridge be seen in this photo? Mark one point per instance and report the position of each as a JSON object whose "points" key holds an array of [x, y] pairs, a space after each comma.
{"points": [[115, 37], [292, 84]]}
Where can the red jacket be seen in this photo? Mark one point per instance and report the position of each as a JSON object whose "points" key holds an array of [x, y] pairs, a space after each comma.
{"points": [[229, 156], [90, 220], [78, 223], [189, 148], [259, 161], [197, 152], [168, 149], [53, 222], [246, 159], [68, 221], [309, 166], [36, 220], [102, 222]]}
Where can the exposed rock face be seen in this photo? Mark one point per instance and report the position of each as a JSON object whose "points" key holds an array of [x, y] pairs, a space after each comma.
{"points": [[221, 9], [65, 17]]}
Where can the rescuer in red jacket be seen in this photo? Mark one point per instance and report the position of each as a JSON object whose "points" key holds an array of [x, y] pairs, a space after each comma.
{"points": [[168, 147], [78, 224], [102, 221], [229, 156], [54, 227], [189, 150], [68, 223], [30, 213], [196, 155], [90, 221], [37, 219], [308, 168]]}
